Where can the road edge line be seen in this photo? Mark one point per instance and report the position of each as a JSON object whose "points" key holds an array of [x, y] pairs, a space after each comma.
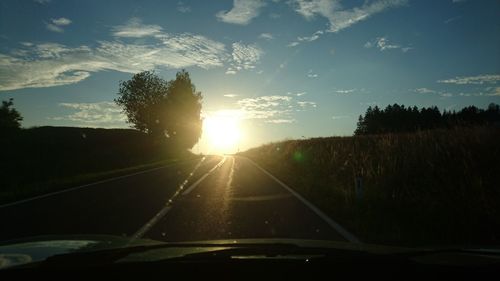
{"points": [[341, 230], [195, 184], [168, 206]]}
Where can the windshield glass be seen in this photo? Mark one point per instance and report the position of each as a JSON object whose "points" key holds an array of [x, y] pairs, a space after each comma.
{"points": [[370, 121]]}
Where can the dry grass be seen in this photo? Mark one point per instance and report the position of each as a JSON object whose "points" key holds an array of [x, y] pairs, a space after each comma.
{"points": [[424, 188]]}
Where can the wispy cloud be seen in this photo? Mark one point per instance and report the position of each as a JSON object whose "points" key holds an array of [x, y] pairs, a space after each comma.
{"points": [[134, 28], [182, 7], [306, 103], [230, 95], [383, 44], [56, 25], [338, 17], [479, 79], [244, 56], [311, 74], [242, 13], [345, 91], [452, 19], [424, 91], [102, 114], [266, 107], [275, 108], [297, 94], [50, 64], [281, 121], [267, 36], [315, 36]]}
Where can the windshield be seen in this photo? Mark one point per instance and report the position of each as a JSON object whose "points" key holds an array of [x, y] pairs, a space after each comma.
{"points": [[364, 122]]}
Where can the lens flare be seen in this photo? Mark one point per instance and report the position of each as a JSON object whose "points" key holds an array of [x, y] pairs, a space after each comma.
{"points": [[222, 129]]}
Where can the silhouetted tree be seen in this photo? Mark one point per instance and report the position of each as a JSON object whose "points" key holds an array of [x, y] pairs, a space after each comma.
{"points": [[10, 118], [398, 118], [183, 117], [167, 110]]}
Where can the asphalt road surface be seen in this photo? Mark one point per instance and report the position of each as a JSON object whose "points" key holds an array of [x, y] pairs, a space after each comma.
{"points": [[203, 199]]}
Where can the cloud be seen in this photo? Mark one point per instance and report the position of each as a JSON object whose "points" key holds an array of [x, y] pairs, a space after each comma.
{"points": [[54, 28], [478, 80], [42, 1], [311, 74], [425, 91], [183, 8], [306, 103], [102, 114], [345, 91], [267, 36], [315, 36], [452, 19], [135, 29], [61, 21], [298, 94], [275, 108], [281, 121], [338, 17], [230, 95], [56, 25], [51, 64], [495, 92], [383, 44], [432, 92], [244, 56], [266, 107], [242, 13]]}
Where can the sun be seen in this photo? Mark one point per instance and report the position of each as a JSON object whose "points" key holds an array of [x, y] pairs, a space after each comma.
{"points": [[222, 130]]}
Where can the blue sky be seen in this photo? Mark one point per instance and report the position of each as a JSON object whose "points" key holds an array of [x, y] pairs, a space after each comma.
{"points": [[291, 69]]}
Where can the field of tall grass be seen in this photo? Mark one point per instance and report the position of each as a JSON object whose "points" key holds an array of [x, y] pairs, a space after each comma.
{"points": [[439, 187]]}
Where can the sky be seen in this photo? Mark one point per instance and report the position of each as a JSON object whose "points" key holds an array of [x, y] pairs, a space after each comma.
{"points": [[284, 69]]}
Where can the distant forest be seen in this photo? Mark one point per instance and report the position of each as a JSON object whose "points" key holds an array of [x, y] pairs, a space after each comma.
{"points": [[398, 118]]}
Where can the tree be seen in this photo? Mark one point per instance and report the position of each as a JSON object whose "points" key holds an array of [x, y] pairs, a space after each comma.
{"points": [[183, 123], [398, 118], [166, 110], [10, 118]]}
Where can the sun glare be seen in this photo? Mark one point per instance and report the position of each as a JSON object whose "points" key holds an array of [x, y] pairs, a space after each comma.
{"points": [[222, 130]]}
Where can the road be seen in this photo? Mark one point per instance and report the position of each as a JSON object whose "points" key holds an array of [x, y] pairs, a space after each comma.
{"points": [[216, 197]]}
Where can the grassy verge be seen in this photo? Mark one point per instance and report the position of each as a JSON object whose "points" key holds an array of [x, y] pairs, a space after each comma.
{"points": [[427, 188], [35, 189], [39, 160]]}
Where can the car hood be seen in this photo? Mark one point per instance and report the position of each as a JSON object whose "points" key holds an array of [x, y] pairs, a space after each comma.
{"points": [[36, 249]]}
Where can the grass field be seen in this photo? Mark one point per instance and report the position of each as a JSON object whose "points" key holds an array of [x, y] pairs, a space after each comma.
{"points": [[438, 187], [40, 160]]}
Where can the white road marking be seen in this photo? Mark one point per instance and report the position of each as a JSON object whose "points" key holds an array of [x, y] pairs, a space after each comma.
{"points": [[194, 185], [231, 174], [86, 185], [168, 206], [138, 234], [337, 227]]}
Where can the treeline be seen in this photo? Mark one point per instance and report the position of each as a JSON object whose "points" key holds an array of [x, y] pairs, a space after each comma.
{"points": [[398, 118]]}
